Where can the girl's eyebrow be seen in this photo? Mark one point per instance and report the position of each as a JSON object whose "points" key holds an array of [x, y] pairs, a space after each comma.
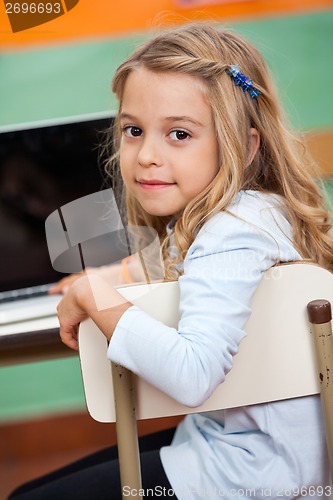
{"points": [[127, 116], [183, 118]]}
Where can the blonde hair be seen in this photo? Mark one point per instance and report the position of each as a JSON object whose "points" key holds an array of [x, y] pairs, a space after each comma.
{"points": [[281, 165]]}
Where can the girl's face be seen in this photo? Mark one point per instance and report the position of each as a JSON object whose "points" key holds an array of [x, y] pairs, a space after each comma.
{"points": [[168, 150]]}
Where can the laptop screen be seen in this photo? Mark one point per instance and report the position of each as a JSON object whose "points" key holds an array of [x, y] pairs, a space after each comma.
{"points": [[42, 167]]}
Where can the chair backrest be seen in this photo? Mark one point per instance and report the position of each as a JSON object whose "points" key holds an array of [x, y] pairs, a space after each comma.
{"points": [[278, 339]]}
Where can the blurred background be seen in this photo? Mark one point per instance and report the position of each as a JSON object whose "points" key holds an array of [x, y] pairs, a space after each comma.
{"points": [[63, 69]]}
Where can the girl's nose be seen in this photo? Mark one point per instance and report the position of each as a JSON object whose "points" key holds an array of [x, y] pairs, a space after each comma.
{"points": [[149, 153]]}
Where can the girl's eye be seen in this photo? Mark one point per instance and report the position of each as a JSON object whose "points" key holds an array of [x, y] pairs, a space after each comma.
{"points": [[179, 135], [132, 131]]}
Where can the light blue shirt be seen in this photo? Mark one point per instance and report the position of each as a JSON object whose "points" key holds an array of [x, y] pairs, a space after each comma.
{"points": [[262, 451]]}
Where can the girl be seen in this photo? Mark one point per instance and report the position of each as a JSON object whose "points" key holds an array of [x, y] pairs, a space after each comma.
{"points": [[206, 161]]}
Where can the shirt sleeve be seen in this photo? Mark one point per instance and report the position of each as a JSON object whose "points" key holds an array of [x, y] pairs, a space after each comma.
{"points": [[222, 270]]}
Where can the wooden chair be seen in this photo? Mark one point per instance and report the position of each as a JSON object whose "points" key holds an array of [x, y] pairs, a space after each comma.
{"points": [[291, 361]]}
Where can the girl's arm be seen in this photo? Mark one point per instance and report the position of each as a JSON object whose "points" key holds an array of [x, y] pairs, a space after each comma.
{"points": [[129, 270], [92, 294]]}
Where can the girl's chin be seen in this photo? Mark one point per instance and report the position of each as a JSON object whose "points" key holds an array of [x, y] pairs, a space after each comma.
{"points": [[161, 212], [161, 209]]}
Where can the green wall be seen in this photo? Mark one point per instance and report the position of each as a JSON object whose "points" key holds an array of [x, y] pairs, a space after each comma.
{"points": [[31, 389], [75, 79]]}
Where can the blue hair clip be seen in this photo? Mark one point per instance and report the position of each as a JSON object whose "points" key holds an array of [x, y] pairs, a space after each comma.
{"points": [[243, 81]]}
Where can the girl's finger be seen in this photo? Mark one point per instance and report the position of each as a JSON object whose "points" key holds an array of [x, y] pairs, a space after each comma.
{"points": [[63, 285], [69, 336]]}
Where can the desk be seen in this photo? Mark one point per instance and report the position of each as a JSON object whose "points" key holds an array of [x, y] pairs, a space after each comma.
{"points": [[39, 375], [29, 341], [32, 346]]}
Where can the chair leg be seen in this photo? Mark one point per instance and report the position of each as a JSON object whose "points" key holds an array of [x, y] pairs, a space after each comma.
{"points": [[320, 316], [127, 432]]}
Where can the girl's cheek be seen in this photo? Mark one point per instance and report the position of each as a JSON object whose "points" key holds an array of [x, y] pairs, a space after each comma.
{"points": [[125, 175]]}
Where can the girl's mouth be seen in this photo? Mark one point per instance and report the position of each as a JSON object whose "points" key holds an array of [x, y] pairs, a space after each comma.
{"points": [[154, 184]]}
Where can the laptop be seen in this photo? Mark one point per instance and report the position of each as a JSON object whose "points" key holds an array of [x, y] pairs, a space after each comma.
{"points": [[43, 166]]}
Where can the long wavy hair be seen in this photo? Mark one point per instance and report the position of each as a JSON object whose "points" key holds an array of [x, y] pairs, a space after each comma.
{"points": [[281, 165]]}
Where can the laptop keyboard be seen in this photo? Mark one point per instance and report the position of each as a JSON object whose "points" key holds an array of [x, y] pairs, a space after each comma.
{"points": [[27, 304], [24, 293]]}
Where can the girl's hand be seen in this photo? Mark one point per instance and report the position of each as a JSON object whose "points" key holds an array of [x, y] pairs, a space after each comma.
{"points": [[90, 296]]}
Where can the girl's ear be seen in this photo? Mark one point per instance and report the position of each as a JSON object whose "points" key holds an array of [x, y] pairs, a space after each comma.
{"points": [[254, 144]]}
